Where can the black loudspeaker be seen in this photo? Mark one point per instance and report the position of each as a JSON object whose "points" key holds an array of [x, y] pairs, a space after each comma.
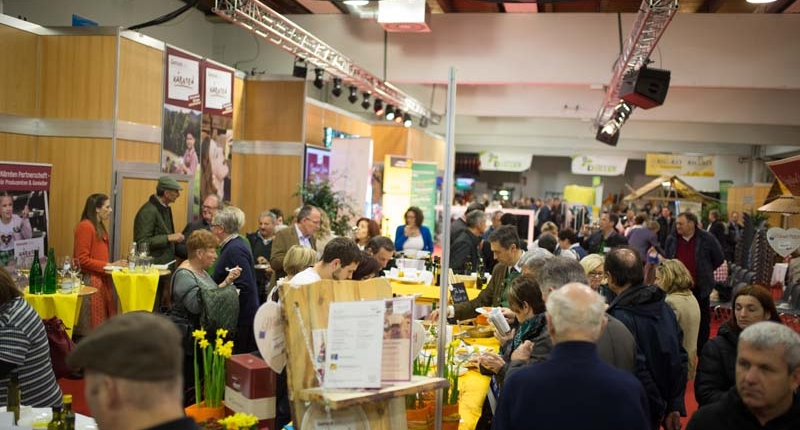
{"points": [[645, 88]]}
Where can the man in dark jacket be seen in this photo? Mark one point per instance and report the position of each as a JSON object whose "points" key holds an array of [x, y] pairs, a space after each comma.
{"points": [[767, 376], [654, 326], [700, 252], [153, 223], [600, 242], [666, 225], [465, 248]]}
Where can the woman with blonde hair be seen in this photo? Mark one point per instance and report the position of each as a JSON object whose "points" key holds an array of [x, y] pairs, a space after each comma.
{"points": [[674, 278], [296, 260], [593, 266]]}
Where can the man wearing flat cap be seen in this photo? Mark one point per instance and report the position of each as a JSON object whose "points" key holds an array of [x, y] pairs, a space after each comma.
{"points": [[133, 373], [153, 224]]}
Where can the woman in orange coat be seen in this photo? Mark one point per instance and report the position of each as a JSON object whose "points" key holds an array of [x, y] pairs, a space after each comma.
{"points": [[92, 252]]}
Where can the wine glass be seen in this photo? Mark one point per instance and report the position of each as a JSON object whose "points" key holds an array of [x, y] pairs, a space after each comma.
{"points": [[23, 266], [75, 271], [144, 249], [64, 266]]}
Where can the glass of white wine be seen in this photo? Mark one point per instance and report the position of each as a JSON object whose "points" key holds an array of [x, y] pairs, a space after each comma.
{"points": [[23, 270], [75, 271]]}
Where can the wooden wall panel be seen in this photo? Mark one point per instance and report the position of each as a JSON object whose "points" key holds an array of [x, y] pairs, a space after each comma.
{"points": [[238, 108], [274, 110], [141, 83], [18, 147], [354, 126], [134, 193], [388, 139], [81, 167], [18, 88], [142, 152], [77, 79], [315, 123], [260, 182], [433, 149]]}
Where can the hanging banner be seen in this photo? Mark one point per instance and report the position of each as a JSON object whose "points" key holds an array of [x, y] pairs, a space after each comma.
{"points": [[788, 171], [24, 211], [680, 165], [182, 109], [599, 165], [423, 190], [506, 162], [215, 152]]}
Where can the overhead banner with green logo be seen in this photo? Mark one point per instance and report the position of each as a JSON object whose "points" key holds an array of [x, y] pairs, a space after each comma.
{"points": [[423, 190], [599, 165]]}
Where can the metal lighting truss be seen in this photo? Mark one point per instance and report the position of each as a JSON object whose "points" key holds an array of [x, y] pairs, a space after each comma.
{"points": [[273, 27], [651, 21]]}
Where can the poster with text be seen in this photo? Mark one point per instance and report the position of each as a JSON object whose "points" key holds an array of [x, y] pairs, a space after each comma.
{"points": [[182, 110], [217, 130], [423, 190], [24, 212]]}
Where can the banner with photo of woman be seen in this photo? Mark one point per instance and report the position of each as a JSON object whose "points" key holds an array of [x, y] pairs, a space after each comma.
{"points": [[24, 211], [217, 130], [182, 110]]}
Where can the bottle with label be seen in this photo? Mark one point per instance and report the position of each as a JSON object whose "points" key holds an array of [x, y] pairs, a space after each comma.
{"points": [[50, 273], [436, 269], [14, 399], [69, 414], [481, 281], [132, 257], [35, 276], [468, 268], [57, 423]]}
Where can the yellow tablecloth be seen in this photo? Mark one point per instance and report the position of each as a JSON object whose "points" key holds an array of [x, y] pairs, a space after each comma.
{"points": [[136, 291], [429, 292], [65, 306], [474, 387]]}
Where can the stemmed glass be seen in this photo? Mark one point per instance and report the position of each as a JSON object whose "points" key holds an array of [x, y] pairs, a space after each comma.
{"points": [[75, 271], [23, 270], [64, 267]]}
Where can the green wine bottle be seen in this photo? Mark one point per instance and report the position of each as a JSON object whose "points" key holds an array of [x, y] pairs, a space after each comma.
{"points": [[13, 395], [69, 414], [57, 423], [50, 273], [35, 280]]}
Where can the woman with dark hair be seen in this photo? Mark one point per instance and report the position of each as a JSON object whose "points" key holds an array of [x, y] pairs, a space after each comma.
{"points": [[413, 236], [366, 229], [368, 268], [91, 249], [716, 370], [24, 349], [206, 178], [525, 300], [189, 165]]}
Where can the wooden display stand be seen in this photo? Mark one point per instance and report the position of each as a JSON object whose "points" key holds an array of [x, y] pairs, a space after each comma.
{"points": [[306, 309]]}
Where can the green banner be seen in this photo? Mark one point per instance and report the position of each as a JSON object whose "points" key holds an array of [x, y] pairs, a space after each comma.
{"points": [[423, 191], [723, 197]]}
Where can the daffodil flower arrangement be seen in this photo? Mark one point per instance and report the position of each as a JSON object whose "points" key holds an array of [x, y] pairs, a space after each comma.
{"points": [[452, 365], [212, 385], [239, 421]]}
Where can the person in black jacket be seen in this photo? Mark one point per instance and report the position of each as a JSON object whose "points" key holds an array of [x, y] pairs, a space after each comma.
{"points": [[654, 326], [700, 252], [767, 378], [716, 370], [602, 241], [465, 248]]}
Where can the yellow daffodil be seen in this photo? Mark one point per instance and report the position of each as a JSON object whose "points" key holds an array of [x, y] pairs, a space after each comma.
{"points": [[218, 342], [222, 333], [203, 343], [199, 334]]}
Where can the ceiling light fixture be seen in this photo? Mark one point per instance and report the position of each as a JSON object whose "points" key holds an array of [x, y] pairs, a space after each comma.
{"points": [[389, 113], [406, 120], [378, 107], [318, 74], [365, 102], [423, 121], [353, 97], [760, 1], [356, 2], [337, 87], [300, 69], [398, 116]]}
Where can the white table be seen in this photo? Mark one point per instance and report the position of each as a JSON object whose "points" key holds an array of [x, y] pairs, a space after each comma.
{"points": [[38, 418]]}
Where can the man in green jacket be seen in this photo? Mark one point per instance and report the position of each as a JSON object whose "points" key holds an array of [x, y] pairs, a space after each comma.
{"points": [[153, 223]]}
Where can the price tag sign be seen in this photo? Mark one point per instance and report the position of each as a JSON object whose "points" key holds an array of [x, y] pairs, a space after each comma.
{"points": [[458, 292]]}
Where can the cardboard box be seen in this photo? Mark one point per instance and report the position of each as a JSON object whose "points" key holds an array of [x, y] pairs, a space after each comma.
{"points": [[250, 388]]}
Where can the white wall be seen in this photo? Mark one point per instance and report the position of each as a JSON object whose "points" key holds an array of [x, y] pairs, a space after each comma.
{"points": [[190, 31]]}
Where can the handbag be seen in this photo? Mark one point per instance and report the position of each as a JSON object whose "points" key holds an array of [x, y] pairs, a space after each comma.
{"points": [[60, 345], [219, 308]]}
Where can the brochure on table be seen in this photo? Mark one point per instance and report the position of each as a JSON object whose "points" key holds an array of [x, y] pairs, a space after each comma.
{"points": [[368, 342]]}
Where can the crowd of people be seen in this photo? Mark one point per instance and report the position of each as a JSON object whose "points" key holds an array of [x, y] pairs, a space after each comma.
{"points": [[588, 327]]}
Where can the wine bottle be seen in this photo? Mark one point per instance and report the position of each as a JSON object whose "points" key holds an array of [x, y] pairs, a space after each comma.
{"points": [[481, 281], [69, 414], [57, 423], [50, 273], [35, 275], [13, 395]]}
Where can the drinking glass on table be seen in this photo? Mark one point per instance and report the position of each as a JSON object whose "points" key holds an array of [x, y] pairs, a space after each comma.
{"points": [[75, 271], [64, 268], [22, 267]]}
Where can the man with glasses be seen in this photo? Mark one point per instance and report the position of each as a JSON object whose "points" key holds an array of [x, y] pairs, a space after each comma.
{"points": [[602, 241], [211, 205], [301, 233]]}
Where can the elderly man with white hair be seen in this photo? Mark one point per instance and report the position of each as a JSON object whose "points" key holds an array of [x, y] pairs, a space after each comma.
{"points": [[767, 379], [575, 374]]}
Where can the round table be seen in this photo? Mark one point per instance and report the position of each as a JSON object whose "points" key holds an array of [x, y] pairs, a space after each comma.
{"points": [[66, 306]]}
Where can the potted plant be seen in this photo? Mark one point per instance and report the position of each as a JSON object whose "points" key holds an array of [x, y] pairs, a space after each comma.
{"points": [[419, 415], [450, 396], [334, 203], [211, 387]]}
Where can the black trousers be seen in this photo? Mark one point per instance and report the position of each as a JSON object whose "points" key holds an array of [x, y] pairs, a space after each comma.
{"points": [[705, 320]]}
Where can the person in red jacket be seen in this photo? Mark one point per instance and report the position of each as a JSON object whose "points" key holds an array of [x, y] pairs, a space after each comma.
{"points": [[91, 249]]}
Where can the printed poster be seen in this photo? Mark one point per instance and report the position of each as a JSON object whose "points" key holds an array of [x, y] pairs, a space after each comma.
{"points": [[217, 130], [788, 171], [354, 344], [24, 212], [680, 165], [182, 110], [397, 330]]}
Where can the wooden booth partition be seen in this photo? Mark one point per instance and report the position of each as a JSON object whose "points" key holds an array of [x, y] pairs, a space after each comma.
{"points": [[387, 140], [412, 142], [320, 115], [748, 198], [305, 311], [18, 85], [274, 110]]}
